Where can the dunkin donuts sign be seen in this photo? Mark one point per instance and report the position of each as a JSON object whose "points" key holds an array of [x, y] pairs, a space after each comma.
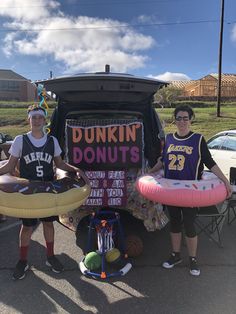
{"points": [[105, 152], [105, 146]]}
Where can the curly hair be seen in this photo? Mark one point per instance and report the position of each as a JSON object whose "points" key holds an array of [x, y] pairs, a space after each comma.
{"points": [[36, 107], [186, 108]]}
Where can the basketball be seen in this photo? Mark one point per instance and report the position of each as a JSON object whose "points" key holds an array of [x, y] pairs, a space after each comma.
{"points": [[113, 255], [92, 260], [134, 245]]}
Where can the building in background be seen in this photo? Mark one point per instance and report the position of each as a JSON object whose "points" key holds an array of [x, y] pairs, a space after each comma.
{"points": [[16, 87], [206, 87]]}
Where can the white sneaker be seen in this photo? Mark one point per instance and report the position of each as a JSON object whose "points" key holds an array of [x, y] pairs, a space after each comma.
{"points": [[194, 269], [172, 261]]}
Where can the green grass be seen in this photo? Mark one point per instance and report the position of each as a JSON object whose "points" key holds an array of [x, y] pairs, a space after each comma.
{"points": [[205, 121], [13, 120]]}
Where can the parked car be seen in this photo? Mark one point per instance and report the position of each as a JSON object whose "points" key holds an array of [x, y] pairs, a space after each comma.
{"points": [[106, 125], [223, 149]]}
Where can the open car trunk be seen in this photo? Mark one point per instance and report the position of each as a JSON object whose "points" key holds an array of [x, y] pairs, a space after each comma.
{"points": [[107, 126]]}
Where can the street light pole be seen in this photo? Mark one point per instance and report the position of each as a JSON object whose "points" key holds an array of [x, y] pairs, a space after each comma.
{"points": [[220, 57]]}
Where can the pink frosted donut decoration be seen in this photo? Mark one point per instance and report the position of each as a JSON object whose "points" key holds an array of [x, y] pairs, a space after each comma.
{"points": [[184, 193]]}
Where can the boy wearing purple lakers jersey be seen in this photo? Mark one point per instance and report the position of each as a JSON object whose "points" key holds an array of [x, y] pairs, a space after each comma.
{"points": [[184, 155]]}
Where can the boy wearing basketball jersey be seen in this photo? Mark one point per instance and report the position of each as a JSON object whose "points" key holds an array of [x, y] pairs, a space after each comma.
{"points": [[36, 152], [184, 155]]}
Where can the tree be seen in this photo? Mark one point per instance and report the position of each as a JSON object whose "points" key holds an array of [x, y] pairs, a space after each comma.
{"points": [[167, 95]]}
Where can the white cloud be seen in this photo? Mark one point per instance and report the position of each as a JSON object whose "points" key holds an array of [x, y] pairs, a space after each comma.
{"points": [[233, 34], [27, 10], [8, 43], [168, 76], [80, 43], [148, 19]]}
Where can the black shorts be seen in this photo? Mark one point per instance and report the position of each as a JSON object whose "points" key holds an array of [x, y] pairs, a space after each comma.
{"points": [[31, 222], [183, 217]]}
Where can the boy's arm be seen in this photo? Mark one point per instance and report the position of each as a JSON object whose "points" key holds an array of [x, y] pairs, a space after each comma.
{"points": [[61, 164], [9, 166]]}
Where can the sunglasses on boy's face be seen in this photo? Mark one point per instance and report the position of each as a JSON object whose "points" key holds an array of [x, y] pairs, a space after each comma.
{"points": [[179, 118]]}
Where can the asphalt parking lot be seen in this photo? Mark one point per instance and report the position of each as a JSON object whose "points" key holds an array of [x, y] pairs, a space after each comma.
{"points": [[147, 288]]}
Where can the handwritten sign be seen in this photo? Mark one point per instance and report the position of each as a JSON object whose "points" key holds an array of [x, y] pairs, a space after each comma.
{"points": [[108, 188], [113, 146]]}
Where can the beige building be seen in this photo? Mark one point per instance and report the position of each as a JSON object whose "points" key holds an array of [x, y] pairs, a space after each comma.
{"points": [[207, 86], [16, 87]]}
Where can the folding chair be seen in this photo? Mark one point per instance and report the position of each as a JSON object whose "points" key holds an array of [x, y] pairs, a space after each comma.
{"points": [[232, 200], [232, 209], [210, 221]]}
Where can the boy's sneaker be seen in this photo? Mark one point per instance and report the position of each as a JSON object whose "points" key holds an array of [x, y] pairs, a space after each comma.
{"points": [[20, 270], [172, 261], [55, 264], [194, 269]]}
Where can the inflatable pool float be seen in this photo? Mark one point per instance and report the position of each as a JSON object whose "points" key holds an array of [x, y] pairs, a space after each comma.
{"points": [[184, 193], [37, 199]]}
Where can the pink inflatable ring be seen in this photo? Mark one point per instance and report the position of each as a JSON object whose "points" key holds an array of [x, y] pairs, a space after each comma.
{"points": [[184, 193]]}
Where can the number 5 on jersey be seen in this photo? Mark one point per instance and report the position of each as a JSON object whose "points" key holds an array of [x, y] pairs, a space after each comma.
{"points": [[39, 171]]}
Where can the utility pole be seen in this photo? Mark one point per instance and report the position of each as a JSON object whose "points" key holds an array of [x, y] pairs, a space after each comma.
{"points": [[220, 57]]}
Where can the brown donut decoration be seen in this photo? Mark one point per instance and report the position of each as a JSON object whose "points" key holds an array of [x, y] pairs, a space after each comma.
{"points": [[36, 199]]}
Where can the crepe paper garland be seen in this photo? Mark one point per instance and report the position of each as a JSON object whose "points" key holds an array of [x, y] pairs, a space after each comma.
{"points": [[42, 97]]}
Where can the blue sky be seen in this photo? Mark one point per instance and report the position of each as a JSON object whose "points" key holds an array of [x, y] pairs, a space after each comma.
{"points": [[165, 39]]}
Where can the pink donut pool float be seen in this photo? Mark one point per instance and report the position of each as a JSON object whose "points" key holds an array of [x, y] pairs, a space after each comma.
{"points": [[185, 193]]}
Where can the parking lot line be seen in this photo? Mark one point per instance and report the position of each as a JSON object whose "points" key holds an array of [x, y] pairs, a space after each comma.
{"points": [[10, 226]]}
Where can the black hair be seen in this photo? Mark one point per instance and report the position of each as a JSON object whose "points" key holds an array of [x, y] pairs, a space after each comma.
{"points": [[186, 108]]}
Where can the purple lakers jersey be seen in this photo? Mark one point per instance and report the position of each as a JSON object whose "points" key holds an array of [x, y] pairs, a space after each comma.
{"points": [[181, 157]]}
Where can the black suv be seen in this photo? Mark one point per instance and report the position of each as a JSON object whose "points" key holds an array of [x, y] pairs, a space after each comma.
{"points": [[107, 126]]}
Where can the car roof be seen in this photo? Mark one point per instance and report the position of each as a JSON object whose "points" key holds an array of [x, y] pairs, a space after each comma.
{"points": [[226, 132]]}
